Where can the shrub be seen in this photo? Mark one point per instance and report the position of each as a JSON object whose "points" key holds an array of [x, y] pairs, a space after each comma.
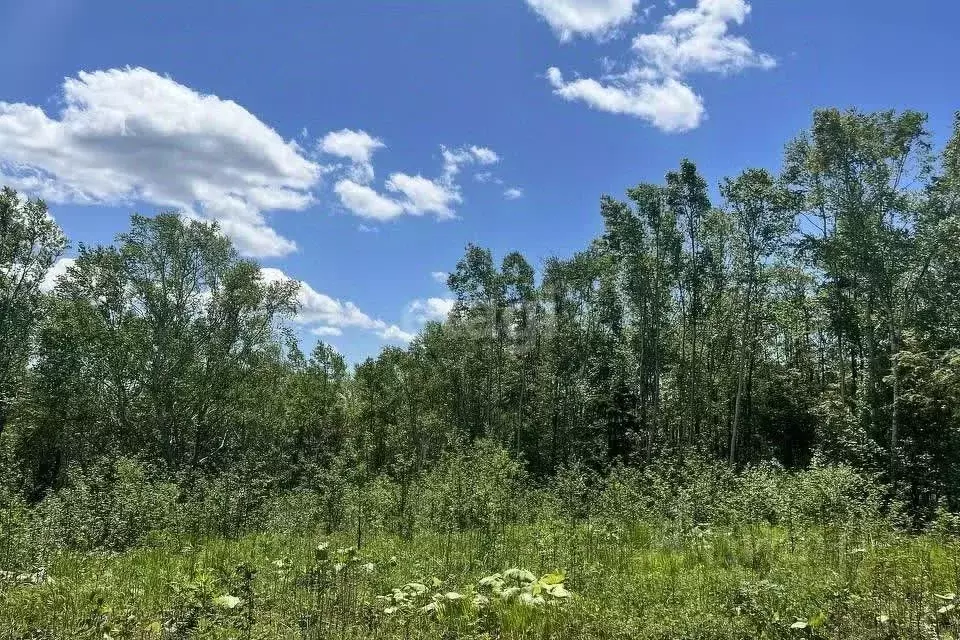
{"points": [[480, 488], [113, 505]]}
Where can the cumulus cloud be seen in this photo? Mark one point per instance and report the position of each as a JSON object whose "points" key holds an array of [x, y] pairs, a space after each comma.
{"points": [[394, 333], [402, 192], [430, 309], [584, 17], [668, 104], [331, 315], [697, 39], [356, 146], [131, 135], [58, 269], [440, 276], [365, 202], [422, 195], [654, 87], [513, 193]]}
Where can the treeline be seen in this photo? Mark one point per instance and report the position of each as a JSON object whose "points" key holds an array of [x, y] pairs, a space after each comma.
{"points": [[810, 316]]}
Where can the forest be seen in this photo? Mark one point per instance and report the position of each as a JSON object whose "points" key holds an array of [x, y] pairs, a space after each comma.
{"points": [[734, 414]]}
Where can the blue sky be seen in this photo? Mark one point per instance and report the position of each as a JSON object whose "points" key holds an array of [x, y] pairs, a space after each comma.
{"points": [[359, 146]]}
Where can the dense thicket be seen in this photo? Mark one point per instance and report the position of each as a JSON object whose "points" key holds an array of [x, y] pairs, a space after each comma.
{"points": [[810, 315]]}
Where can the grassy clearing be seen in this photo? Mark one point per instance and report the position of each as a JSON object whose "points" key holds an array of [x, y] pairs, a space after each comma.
{"points": [[643, 581]]}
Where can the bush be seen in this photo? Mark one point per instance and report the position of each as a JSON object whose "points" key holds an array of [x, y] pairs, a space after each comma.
{"points": [[835, 494], [480, 488], [116, 505], [18, 537], [686, 491], [698, 491], [112, 506]]}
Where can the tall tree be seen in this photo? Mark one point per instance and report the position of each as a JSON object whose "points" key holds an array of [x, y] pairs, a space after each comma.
{"points": [[686, 192], [857, 174], [151, 347], [762, 218], [30, 243]]}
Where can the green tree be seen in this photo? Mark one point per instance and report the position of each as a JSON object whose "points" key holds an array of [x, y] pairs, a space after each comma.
{"points": [[151, 348], [30, 243], [762, 219]]}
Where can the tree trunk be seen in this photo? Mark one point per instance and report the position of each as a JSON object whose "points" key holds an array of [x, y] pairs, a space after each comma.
{"points": [[745, 357]]}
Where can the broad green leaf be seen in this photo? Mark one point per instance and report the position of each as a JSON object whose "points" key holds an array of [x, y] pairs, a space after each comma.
{"points": [[553, 578], [559, 591], [227, 601]]}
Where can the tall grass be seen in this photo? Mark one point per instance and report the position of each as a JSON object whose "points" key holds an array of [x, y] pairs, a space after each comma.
{"points": [[682, 550]]}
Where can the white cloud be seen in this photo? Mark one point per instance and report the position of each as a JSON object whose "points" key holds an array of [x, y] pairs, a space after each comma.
{"points": [[356, 146], [393, 333], [430, 309], [693, 40], [454, 159], [584, 17], [131, 135], [669, 105], [316, 308], [653, 87], [412, 194], [513, 193], [326, 331], [365, 202], [424, 195], [58, 269], [440, 276], [484, 155]]}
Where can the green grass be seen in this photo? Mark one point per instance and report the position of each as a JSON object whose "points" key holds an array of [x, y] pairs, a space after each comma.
{"points": [[641, 581]]}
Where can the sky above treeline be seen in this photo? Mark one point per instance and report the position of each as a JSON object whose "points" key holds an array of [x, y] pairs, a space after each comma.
{"points": [[359, 146]]}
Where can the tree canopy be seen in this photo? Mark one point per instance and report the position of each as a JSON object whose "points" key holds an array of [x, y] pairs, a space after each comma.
{"points": [[807, 315]]}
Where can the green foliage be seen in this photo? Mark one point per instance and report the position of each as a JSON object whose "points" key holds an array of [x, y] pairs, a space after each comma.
{"points": [[114, 505], [722, 583], [30, 242], [474, 489]]}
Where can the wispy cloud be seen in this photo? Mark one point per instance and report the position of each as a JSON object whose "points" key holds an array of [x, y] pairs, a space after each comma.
{"points": [[326, 331], [454, 159]]}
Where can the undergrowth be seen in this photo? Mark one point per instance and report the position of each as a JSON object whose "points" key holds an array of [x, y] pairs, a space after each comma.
{"points": [[476, 548]]}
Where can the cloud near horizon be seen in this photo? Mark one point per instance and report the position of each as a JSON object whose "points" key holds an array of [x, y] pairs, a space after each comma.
{"points": [[323, 315]]}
